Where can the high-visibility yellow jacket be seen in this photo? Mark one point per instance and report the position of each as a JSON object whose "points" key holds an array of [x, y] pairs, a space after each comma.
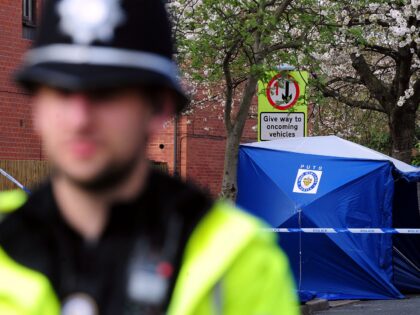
{"points": [[11, 200], [229, 267]]}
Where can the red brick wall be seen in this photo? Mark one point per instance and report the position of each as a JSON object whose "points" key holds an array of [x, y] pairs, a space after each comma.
{"points": [[206, 148], [201, 146], [17, 140], [207, 144], [161, 147]]}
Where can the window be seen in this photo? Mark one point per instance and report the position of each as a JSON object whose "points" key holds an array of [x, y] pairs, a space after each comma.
{"points": [[29, 18]]}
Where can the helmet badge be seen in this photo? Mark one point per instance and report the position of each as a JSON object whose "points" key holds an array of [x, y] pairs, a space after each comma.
{"points": [[88, 20]]}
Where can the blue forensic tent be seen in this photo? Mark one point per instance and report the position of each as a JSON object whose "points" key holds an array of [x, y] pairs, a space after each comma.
{"points": [[328, 182]]}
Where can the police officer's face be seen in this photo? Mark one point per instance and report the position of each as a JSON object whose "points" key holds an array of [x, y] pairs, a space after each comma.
{"points": [[94, 139]]}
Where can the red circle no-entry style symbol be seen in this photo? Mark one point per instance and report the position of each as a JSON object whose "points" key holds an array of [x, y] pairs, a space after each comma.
{"points": [[282, 91]]}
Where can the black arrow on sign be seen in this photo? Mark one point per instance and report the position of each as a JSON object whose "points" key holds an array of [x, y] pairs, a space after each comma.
{"points": [[286, 97]]}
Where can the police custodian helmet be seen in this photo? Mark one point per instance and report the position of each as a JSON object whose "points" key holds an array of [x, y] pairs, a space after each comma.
{"points": [[97, 44]]}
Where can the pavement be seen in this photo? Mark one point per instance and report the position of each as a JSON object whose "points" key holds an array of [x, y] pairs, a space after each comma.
{"points": [[408, 306], [312, 306]]}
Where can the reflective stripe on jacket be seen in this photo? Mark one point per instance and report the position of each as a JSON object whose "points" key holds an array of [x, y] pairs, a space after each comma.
{"points": [[24, 291], [229, 267]]}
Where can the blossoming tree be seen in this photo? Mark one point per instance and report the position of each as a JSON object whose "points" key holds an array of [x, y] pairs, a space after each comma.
{"points": [[230, 44], [373, 62]]}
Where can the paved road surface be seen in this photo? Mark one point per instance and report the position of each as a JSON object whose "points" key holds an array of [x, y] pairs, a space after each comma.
{"points": [[409, 306]]}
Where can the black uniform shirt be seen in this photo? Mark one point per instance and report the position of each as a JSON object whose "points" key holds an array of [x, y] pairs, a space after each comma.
{"points": [[148, 233]]}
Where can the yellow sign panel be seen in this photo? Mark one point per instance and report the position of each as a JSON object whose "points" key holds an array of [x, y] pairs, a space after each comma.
{"points": [[282, 108]]}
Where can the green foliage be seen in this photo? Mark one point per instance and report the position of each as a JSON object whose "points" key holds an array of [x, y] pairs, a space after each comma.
{"points": [[378, 140], [361, 126], [236, 33]]}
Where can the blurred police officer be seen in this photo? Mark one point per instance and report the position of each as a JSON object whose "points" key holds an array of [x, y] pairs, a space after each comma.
{"points": [[106, 234]]}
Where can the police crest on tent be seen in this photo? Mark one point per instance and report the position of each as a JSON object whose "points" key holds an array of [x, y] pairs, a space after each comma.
{"points": [[307, 181]]}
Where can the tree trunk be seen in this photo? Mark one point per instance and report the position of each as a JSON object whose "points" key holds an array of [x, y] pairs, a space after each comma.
{"points": [[229, 184], [234, 134], [402, 124]]}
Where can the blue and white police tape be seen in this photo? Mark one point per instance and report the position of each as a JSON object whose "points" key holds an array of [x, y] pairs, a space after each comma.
{"points": [[344, 230], [13, 180]]}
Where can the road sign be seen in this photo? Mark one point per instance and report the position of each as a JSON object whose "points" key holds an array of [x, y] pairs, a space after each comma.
{"points": [[282, 110], [282, 91], [281, 125]]}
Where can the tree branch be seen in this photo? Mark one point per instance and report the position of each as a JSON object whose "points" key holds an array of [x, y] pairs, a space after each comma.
{"points": [[329, 92], [378, 89], [239, 81], [294, 44], [356, 22], [344, 79], [282, 8], [383, 50], [229, 88]]}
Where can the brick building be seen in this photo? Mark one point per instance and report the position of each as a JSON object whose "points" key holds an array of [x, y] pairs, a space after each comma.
{"points": [[199, 139], [17, 140], [200, 147]]}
